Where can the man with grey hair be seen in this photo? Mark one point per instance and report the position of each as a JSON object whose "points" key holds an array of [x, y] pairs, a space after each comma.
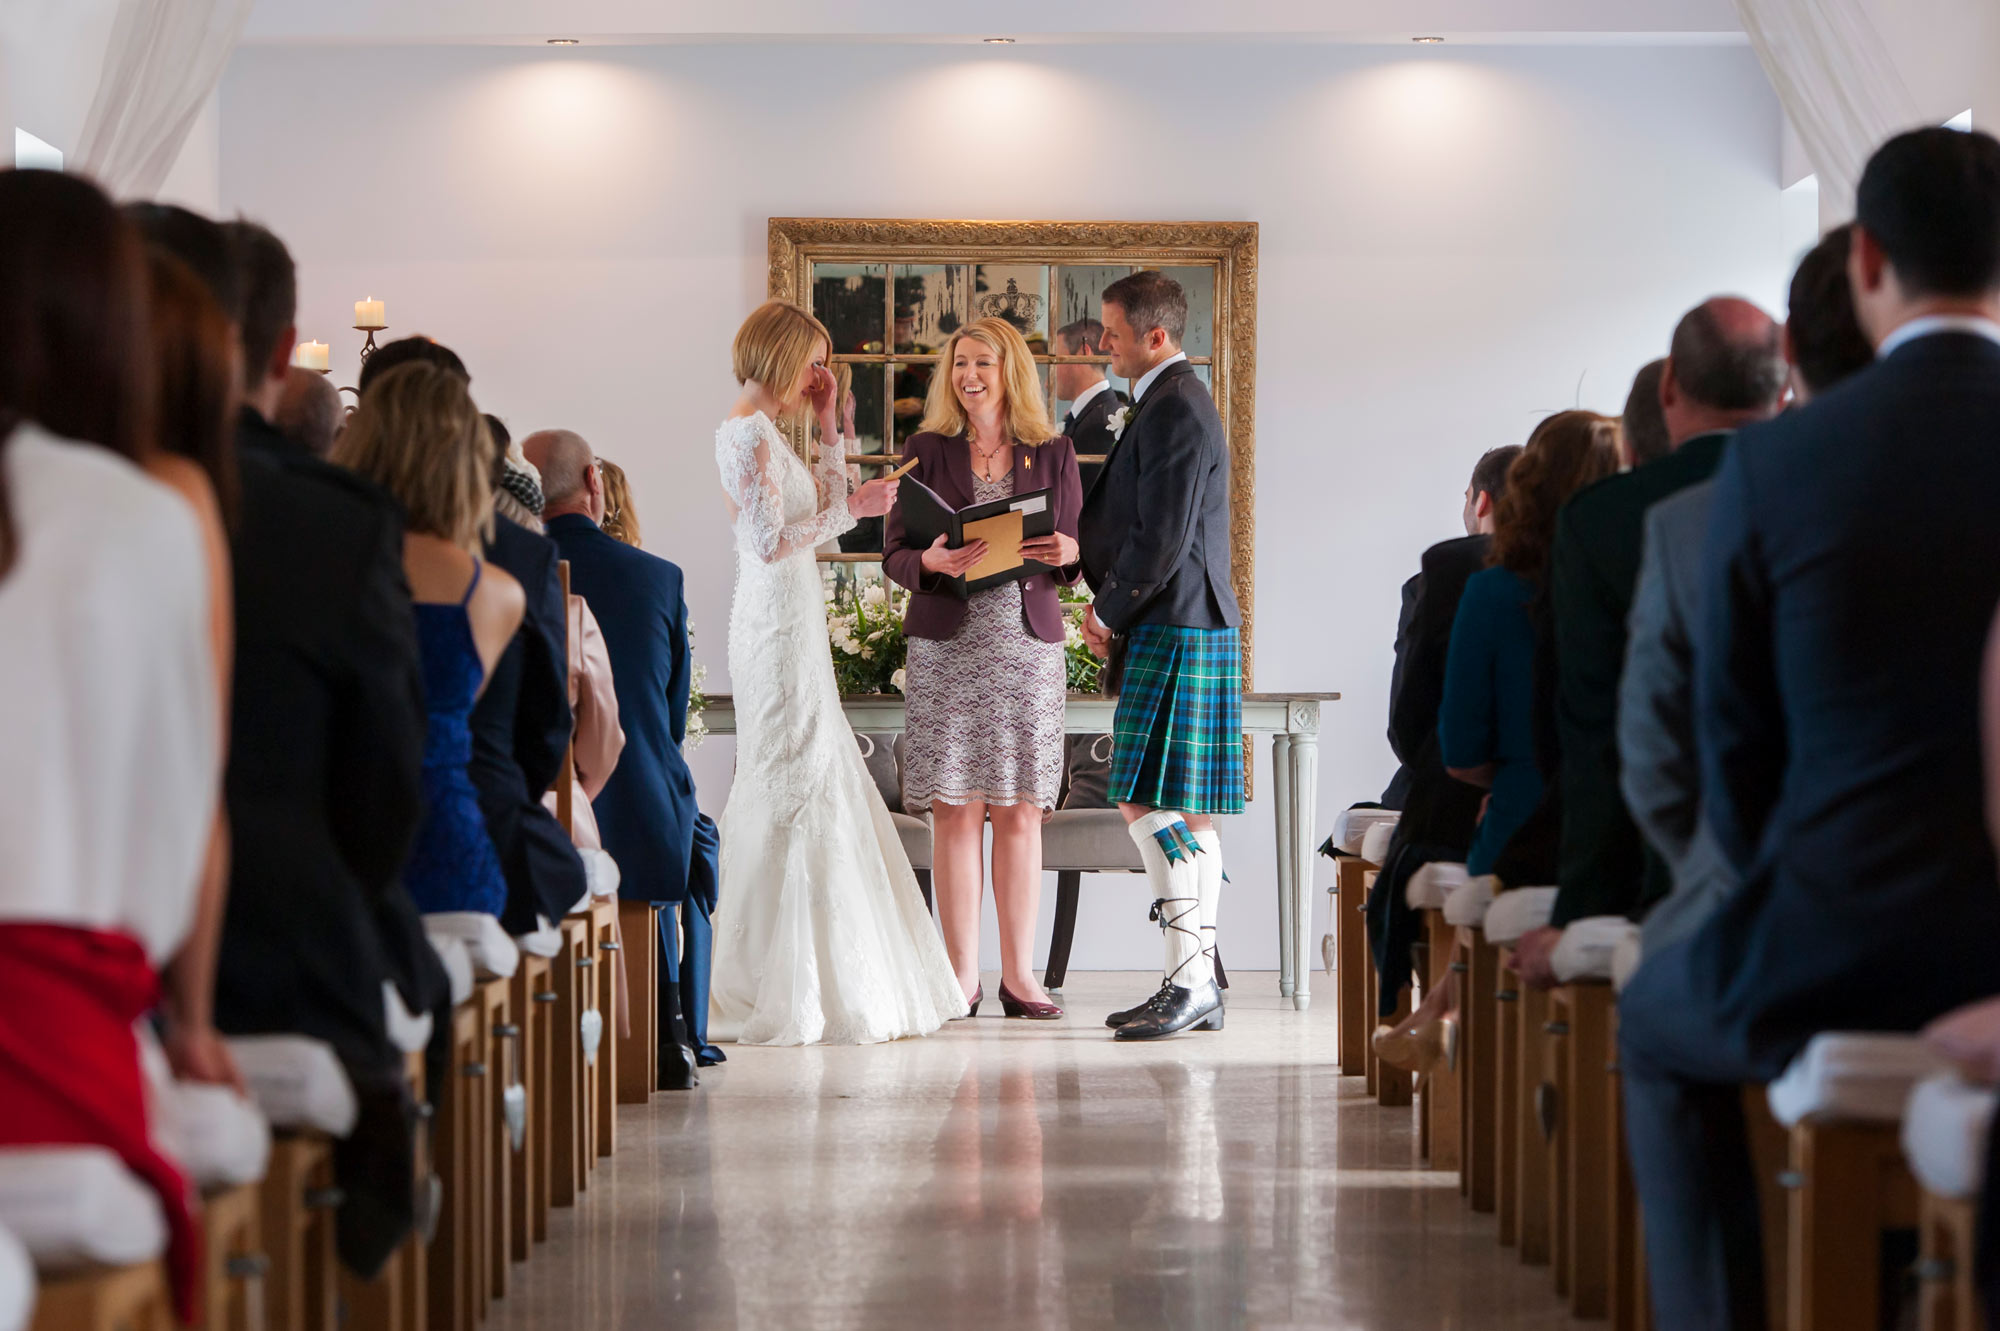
{"points": [[309, 411], [646, 813]]}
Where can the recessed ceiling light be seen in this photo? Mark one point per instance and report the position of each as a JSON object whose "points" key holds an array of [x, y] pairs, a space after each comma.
{"points": [[563, 41], [1427, 41], [999, 41]]}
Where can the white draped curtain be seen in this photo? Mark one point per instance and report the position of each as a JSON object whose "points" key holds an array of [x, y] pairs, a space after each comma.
{"points": [[163, 63], [1837, 83]]}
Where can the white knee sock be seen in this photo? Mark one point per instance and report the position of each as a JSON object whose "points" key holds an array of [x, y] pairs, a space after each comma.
{"points": [[1169, 851], [1210, 862]]}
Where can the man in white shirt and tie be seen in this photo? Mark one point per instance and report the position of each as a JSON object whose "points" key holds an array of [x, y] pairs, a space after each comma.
{"points": [[1090, 395]]}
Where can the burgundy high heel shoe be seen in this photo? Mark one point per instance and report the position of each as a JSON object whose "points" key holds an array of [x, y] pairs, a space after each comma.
{"points": [[1018, 1007], [972, 1008]]}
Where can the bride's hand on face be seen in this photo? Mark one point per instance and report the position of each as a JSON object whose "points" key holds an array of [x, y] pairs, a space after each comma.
{"points": [[820, 394], [873, 499]]}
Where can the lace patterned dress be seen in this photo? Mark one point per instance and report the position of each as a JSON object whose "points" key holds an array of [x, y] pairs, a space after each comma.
{"points": [[986, 705], [821, 936]]}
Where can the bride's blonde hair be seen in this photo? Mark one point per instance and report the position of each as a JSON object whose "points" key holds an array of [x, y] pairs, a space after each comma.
{"points": [[1027, 411], [774, 346]]}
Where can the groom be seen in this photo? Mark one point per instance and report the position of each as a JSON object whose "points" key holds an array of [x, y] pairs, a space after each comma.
{"points": [[1155, 548]]}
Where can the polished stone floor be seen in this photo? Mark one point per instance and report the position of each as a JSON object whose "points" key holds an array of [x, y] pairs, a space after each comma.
{"points": [[1029, 1175]]}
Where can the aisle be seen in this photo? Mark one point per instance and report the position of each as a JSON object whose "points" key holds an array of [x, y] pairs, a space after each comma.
{"points": [[1025, 1175]]}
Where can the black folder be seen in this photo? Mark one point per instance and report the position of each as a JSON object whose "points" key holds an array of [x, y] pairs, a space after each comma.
{"points": [[926, 516]]}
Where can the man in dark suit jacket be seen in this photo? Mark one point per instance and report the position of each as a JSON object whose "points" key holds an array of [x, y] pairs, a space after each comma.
{"points": [[1850, 579], [1154, 543], [646, 812], [1725, 369], [1660, 765], [325, 755], [1439, 811]]}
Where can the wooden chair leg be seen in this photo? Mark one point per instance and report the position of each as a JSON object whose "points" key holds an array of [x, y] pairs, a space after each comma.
{"points": [[1507, 1101], [232, 1252], [1350, 937], [639, 1053], [1629, 1306], [532, 1000], [604, 1122], [1588, 1142], [125, 1298], [1479, 1048], [503, 1061], [1849, 1184], [567, 1113], [1531, 1194], [1946, 1229], [1771, 1157], [1444, 1093], [1069, 888], [1552, 1109], [296, 1207], [452, 1262]]}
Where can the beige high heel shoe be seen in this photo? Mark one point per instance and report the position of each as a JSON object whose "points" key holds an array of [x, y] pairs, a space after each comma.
{"points": [[1420, 1051]]}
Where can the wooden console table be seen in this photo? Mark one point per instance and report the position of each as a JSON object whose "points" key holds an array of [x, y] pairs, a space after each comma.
{"points": [[1292, 721]]}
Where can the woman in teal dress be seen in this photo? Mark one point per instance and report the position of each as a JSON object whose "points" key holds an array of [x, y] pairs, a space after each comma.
{"points": [[1486, 723]]}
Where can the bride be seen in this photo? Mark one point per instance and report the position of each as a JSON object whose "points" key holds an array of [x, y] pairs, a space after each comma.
{"points": [[821, 935]]}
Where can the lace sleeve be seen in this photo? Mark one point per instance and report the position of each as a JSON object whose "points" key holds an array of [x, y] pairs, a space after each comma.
{"points": [[745, 452]]}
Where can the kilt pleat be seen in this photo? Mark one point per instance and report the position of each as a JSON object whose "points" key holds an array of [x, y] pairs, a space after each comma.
{"points": [[1177, 740]]}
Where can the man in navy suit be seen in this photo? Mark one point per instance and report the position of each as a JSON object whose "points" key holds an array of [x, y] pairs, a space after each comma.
{"points": [[1850, 576], [646, 812], [1659, 771]]}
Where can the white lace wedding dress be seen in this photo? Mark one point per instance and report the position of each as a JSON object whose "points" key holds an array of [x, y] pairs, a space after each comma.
{"points": [[821, 936]]}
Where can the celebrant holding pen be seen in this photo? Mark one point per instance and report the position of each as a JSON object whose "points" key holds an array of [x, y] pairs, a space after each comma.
{"points": [[986, 676]]}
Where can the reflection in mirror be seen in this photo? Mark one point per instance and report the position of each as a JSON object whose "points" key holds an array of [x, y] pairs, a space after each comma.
{"points": [[865, 383], [1199, 283], [932, 302], [911, 385], [1017, 293], [1079, 286], [848, 298]]}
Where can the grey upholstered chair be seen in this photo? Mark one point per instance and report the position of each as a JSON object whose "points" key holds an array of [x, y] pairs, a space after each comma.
{"points": [[884, 758]]}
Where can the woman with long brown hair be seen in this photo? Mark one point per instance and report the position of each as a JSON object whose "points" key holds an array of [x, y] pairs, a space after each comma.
{"points": [[109, 696], [1487, 717]]}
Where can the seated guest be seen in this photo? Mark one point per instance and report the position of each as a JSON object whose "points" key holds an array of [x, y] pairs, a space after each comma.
{"points": [[1850, 575], [621, 516], [1486, 719], [646, 811], [1643, 428], [1486, 714], [113, 717], [1724, 370], [193, 345], [1660, 772], [327, 733], [1439, 813], [402, 351], [309, 412], [418, 436], [521, 726]]}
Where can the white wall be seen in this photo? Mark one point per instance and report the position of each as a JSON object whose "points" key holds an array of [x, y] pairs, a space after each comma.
{"points": [[1454, 242]]}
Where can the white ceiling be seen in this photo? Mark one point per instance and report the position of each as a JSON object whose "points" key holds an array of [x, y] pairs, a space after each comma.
{"points": [[625, 22]]}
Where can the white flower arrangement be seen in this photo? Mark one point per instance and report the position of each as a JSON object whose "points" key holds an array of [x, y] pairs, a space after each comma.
{"points": [[1116, 421]]}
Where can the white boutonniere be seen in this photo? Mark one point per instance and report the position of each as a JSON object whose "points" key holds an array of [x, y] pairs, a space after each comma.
{"points": [[1115, 422]]}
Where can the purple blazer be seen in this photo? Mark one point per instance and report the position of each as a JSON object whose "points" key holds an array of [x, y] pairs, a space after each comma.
{"points": [[945, 465]]}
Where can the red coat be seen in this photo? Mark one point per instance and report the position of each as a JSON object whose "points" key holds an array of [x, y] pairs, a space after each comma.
{"points": [[945, 465]]}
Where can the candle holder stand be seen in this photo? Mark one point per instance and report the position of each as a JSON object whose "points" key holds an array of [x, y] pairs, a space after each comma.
{"points": [[368, 346]]}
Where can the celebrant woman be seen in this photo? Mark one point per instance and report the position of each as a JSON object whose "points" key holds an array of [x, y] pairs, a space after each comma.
{"points": [[986, 673]]}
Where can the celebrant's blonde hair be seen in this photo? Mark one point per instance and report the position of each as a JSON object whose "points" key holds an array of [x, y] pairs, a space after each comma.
{"points": [[775, 344], [1027, 411]]}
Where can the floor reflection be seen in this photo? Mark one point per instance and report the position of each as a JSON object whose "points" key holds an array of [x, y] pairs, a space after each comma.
{"points": [[1007, 1174]]}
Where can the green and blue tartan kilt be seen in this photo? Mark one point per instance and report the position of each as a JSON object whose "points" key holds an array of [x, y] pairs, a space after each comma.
{"points": [[1177, 740]]}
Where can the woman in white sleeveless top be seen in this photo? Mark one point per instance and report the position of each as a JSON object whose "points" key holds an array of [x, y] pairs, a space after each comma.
{"points": [[821, 935]]}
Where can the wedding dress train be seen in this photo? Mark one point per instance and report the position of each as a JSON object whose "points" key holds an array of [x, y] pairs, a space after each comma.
{"points": [[821, 935]]}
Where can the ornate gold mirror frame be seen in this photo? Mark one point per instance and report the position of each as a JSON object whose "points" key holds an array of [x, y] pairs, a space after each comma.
{"points": [[796, 244]]}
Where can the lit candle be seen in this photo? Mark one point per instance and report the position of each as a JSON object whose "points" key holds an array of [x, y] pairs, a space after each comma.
{"points": [[368, 314], [311, 356]]}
